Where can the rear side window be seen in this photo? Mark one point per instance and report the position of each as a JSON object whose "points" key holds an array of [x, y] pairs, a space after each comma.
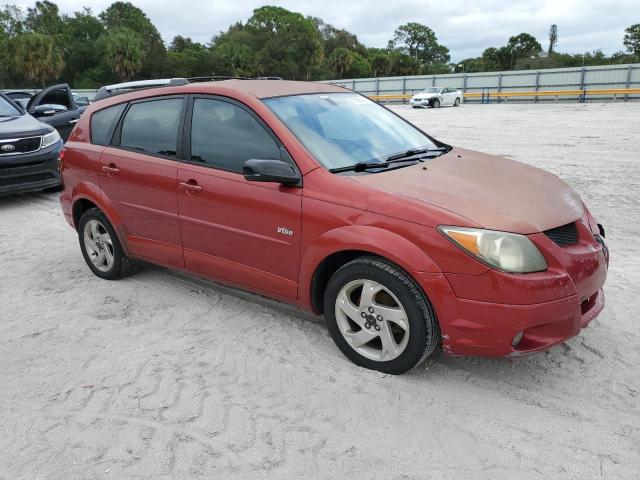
{"points": [[103, 123], [152, 127], [225, 136]]}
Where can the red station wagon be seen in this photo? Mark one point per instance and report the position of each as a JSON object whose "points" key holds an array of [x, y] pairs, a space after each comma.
{"points": [[315, 195]]}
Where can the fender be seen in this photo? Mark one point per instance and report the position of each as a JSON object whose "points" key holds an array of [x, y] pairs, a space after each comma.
{"points": [[365, 238], [90, 191]]}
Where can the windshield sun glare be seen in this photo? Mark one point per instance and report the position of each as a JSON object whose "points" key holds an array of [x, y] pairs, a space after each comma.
{"points": [[342, 129]]}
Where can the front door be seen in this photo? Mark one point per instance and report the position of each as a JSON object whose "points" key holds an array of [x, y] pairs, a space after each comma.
{"points": [[247, 233], [138, 177], [55, 105]]}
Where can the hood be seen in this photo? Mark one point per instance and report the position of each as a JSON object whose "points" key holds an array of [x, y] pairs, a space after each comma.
{"points": [[495, 192], [22, 126]]}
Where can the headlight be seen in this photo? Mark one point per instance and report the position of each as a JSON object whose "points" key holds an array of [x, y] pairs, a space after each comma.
{"points": [[505, 251], [50, 139]]}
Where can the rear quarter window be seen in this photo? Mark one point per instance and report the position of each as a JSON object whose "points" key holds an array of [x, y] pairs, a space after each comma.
{"points": [[103, 123]]}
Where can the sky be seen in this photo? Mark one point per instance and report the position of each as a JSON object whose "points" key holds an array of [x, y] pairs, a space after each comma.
{"points": [[466, 27]]}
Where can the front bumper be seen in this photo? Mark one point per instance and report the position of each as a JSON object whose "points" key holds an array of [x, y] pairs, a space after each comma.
{"points": [[482, 314], [30, 172], [420, 103]]}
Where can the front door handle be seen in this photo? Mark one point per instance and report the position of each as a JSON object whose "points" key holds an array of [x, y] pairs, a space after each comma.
{"points": [[74, 121], [110, 169], [190, 187]]}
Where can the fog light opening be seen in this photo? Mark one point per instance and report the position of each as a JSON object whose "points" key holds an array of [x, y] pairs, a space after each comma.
{"points": [[517, 338]]}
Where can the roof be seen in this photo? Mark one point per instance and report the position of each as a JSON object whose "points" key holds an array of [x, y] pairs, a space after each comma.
{"points": [[276, 88]]}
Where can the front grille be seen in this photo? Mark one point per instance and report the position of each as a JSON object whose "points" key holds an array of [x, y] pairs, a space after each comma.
{"points": [[563, 236], [20, 145]]}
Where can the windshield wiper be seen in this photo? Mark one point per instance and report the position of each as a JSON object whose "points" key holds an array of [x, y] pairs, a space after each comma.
{"points": [[359, 167], [414, 152]]}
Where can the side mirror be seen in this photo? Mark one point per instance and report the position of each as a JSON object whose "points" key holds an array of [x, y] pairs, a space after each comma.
{"points": [[271, 171], [82, 101], [43, 111]]}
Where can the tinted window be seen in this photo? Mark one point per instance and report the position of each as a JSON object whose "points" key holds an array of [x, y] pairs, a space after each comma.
{"points": [[8, 110], [152, 127], [103, 124], [225, 136]]}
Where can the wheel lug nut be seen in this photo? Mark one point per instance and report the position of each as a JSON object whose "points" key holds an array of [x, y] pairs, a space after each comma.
{"points": [[370, 309], [363, 314], [379, 318]]}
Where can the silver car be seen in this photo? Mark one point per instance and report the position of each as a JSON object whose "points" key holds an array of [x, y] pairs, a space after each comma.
{"points": [[436, 97]]}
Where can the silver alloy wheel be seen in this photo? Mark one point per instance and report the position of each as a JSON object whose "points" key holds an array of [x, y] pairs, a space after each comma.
{"points": [[372, 320], [98, 244]]}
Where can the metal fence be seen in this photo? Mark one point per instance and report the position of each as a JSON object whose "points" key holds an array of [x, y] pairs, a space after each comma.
{"points": [[556, 79]]}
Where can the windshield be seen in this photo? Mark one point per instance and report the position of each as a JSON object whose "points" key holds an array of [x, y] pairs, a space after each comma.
{"points": [[431, 90], [342, 129], [8, 110]]}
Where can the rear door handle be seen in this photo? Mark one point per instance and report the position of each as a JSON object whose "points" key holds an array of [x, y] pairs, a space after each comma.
{"points": [[110, 169], [74, 121], [190, 187]]}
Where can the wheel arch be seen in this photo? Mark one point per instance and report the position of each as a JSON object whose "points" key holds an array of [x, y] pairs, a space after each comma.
{"points": [[86, 196], [337, 247]]}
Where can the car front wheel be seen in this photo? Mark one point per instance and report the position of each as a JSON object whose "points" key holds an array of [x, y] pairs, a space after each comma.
{"points": [[379, 317], [435, 103]]}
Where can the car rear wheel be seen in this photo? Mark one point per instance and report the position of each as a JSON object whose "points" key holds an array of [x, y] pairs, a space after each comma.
{"points": [[435, 103], [456, 103], [101, 248], [379, 317]]}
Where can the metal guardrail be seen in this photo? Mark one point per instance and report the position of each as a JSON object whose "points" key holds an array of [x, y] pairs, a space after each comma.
{"points": [[581, 94], [606, 77]]}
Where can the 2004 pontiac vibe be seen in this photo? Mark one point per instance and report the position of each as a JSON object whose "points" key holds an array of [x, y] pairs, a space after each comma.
{"points": [[317, 196]]}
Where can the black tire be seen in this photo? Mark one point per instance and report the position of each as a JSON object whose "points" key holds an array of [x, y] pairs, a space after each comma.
{"points": [[122, 265], [456, 103], [424, 332], [435, 103]]}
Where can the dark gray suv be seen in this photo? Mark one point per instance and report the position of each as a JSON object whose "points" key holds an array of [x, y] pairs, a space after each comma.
{"points": [[29, 151]]}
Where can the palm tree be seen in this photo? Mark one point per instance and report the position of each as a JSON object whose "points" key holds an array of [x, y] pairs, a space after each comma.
{"points": [[340, 60], [124, 53], [38, 58]]}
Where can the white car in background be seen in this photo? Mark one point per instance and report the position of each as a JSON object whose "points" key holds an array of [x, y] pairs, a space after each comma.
{"points": [[436, 97]]}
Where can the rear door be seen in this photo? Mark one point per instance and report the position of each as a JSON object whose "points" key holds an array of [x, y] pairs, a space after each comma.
{"points": [[56, 106], [244, 232], [139, 171]]}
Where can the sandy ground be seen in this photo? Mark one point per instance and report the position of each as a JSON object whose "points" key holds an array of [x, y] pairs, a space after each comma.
{"points": [[163, 376]]}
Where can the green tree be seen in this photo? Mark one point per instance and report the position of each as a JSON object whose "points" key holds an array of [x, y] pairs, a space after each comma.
{"points": [[38, 58], [522, 46], [186, 58], [419, 42], [44, 18], [11, 21], [125, 15], [286, 43], [632, 39], [341, 60], [403, 64], [233, 52], [380, 64], [82, 35], [124, 53]]}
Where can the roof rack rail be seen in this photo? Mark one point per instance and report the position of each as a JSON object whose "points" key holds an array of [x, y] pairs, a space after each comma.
{"points": [[126, 87]]}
